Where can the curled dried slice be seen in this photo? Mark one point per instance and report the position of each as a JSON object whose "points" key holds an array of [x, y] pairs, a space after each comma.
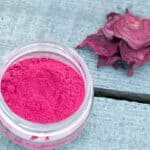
{"points": [[135, 58], [134, 30], [100, 44], [108, 29]]}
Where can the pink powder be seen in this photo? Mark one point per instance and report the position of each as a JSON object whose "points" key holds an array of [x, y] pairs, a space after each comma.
{"points": [[42, 90]]}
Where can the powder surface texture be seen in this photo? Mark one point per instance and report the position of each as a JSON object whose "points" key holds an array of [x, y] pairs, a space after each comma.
{"points": [[42, 90]]}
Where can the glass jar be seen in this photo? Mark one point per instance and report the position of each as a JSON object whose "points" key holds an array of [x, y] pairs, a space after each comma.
{"points": [[41, 136]]}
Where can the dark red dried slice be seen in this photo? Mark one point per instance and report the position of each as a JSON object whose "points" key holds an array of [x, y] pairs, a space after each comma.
{"points": [[100, 44], [129, 55], [135, 58], [132, 29], [108, 29], [113, 16]]}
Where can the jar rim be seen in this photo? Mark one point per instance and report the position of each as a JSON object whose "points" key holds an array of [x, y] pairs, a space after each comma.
{"points": [[57, 129]]}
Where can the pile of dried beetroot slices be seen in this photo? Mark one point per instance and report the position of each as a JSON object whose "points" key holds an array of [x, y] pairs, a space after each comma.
{"points": [[124, 42]]}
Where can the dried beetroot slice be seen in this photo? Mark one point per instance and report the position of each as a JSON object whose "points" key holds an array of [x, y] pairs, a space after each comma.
{"points": [[132, 29], [113, 16], [131, 69], [135, 58], [129, 55], [108, 29], [144, 61], [146, 58], [107, 61], [100, 44]]}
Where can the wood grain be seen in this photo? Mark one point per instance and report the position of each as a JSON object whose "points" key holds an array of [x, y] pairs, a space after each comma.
{"points": [[112, 125]]}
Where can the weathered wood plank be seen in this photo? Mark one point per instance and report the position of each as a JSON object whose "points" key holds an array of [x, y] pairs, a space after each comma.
{"points": [[68, 22], [113, 125]]}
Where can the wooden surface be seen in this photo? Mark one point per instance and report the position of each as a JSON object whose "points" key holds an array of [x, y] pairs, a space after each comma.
{"points": [[113, 124]]}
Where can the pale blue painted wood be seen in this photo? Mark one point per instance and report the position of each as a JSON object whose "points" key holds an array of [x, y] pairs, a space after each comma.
{"points": [[113, 125]]}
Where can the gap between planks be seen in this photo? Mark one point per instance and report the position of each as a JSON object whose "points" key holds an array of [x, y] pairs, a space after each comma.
{"points": [[121, 95]]}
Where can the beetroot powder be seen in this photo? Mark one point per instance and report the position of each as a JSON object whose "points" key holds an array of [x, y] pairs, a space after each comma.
{"points": [[42, 90]]}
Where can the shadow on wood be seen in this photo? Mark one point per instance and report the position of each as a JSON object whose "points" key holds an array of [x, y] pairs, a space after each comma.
{"points": [[120, 95]]}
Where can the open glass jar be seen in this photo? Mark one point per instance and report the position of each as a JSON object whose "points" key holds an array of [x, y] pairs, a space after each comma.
{"points": [[41, 136]]}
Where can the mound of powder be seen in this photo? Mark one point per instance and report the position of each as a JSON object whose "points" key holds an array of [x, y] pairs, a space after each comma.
{"points": [[42, 90]]}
